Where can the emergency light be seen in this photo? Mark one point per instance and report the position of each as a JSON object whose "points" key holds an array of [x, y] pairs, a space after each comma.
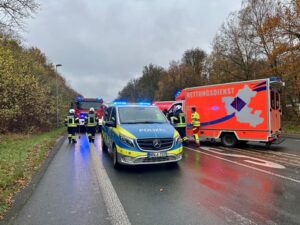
{"points": [[120, 103], [144, 103], [83, 115], [275, 79], [79, 98], [177, 93]]}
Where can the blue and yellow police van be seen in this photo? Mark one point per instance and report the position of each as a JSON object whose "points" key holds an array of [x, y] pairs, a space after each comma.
{"points": [[136, 134]]}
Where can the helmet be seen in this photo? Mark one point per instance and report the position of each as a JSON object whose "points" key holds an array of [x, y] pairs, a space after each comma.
{"points": [[92, 109], [177, 108], [71, 111]]}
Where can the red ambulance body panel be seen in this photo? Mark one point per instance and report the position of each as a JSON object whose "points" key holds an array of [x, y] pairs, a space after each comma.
{"points": [[247, 110], [242, 108]]}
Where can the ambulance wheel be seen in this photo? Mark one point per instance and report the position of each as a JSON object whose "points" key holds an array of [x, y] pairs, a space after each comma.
{"points": [[104, 146], [115, 158], [229, 140]]}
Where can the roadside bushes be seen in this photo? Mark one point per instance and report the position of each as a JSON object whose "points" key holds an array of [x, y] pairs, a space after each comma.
{"points": [[27, 99]]}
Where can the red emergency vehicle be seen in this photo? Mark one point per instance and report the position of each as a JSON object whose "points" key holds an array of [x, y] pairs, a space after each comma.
{"points": [[235, 112], [163, 105], [82, 107]]}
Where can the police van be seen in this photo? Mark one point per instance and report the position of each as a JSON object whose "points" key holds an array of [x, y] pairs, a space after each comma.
{"points": [[137, 134]]}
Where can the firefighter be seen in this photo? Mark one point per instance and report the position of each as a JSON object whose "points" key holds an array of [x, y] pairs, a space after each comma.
{"points": [[196, 125], [91, 122], [179, 121], [71, 122]]}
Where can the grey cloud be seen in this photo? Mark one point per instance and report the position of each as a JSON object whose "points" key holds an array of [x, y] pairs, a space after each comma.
{"points": [[108, 42]]}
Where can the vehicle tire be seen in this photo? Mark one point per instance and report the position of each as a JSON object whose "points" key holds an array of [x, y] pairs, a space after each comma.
{"points": [[115, 158], [229, 140], [104, 146]]}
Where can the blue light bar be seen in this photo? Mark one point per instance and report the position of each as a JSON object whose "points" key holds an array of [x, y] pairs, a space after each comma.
{"points": [[144, 103], [275, 79], [177, 93], [79, 98], [120, 103]]}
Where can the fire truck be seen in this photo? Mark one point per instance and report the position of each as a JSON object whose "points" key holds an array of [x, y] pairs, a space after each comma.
{"points": [[235, 112], [82, 107]]}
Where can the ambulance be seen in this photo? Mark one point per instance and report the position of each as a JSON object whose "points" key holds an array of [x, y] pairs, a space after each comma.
{"points": [[235, 112]]}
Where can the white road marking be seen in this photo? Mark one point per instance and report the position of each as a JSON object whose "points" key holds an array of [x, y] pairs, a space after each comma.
{"points": [[280, 157], [285, 153], [233, 217], [271, 153], [114, 206], [249, 159], [247, 166]]}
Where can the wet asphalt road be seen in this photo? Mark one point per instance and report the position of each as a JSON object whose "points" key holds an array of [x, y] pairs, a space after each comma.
{"points": [[211, 185]]}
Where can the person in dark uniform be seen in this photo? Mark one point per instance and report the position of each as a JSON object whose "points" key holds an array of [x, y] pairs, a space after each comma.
{"points": [[179, 122], [71, 122], [91, 122]]}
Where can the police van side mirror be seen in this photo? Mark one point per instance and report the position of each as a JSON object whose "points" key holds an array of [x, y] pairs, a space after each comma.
{"points": [[110, 124]]}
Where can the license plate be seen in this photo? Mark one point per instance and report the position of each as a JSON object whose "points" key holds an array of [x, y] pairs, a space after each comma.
{"points": [[156, 154]]}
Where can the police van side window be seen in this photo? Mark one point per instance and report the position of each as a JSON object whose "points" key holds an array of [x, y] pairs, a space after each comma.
{"points": [[107, 114]]}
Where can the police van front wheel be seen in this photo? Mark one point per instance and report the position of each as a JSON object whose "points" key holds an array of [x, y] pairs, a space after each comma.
{"points": [[115, 158], [229, 140]]}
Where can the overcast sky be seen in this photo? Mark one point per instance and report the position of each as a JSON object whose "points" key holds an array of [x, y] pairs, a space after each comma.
{"points": [[102, 44]]}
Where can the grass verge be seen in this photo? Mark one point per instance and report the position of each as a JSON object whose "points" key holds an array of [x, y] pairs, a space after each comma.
{"points": [[20, 157], [290, 127]]}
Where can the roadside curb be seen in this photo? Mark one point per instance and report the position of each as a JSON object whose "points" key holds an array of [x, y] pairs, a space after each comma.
{"points": [[292, 136], [23, 196]]}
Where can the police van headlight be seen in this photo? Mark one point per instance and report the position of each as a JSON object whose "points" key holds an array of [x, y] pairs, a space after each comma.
{"points": [[178, 139], [126, 140]]}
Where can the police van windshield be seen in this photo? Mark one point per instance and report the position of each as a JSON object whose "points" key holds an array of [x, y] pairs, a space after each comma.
{"points": [[132, 115], [88, 105]]}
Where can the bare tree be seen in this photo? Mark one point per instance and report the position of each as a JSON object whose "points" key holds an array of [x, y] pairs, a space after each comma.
{"points": [[13, 13]]}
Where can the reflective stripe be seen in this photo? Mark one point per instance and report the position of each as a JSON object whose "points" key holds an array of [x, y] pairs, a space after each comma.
{"points": [[137, 154], [130, 153], [71, 121], [175, 151], [181, 122], [121, 130], [91, 120]]}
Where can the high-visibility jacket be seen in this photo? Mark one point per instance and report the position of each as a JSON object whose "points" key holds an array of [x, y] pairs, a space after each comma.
{"points": [[195, 119], [91, 120], [71, 121], [180, 120]]}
